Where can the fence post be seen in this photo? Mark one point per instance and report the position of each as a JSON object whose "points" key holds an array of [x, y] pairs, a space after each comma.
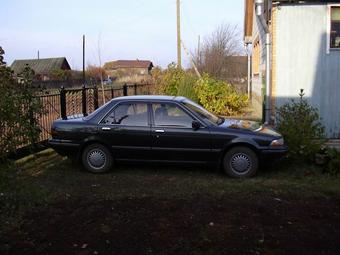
{"points": [[112, 93], [63, 103], [125, 90], [95, 97], [135, 87], [83, 100]]}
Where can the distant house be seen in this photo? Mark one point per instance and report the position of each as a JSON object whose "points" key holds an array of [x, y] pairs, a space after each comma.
{"points": [[129, 70], [44, 68], [296, 44]]}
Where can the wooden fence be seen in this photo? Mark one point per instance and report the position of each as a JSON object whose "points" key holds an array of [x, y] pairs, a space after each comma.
{"points": [[83, 101]]}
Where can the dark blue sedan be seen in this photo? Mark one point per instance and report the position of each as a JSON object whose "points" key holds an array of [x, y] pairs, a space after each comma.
{"points": [[164, 129]]}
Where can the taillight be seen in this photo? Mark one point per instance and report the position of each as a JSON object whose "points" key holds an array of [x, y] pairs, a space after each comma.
{"points": [[54, 132]]}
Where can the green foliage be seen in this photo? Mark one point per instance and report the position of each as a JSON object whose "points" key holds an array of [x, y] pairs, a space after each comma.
{"points": [[332, 165], [19, 109], [186, 87], [172, 79], [219, 97], [215, 95], [300, 125]]}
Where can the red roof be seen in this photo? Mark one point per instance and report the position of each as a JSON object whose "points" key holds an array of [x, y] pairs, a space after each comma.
{"points": [[128, 64]]}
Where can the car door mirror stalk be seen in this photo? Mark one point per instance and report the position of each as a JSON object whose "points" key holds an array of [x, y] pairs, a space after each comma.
{"points": [[196, 125]]}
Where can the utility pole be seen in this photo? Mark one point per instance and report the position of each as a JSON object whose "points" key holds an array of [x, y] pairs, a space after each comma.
{"points": [[84, 59], [179, 54], [38, 55], [199, 51]]}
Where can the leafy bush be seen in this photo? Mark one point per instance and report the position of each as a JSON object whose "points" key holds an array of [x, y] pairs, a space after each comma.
{"points": [[219, 97], [186, 87], [300, 125], [332, 165], [19, 109], [174, 81], [215, 95]]}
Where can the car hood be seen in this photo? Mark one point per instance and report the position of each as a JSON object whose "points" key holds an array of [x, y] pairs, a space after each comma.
{"points": [[250, 126]]}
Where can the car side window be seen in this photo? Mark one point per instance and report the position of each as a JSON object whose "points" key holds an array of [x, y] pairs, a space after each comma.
{"points": [[166, 114], [133, 114]]}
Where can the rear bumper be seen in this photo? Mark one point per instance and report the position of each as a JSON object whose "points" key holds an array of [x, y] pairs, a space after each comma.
{"points": [[64, 147]]}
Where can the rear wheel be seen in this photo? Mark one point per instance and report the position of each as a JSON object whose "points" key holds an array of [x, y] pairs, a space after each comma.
{"points": [[240, 162], [96, 158]]}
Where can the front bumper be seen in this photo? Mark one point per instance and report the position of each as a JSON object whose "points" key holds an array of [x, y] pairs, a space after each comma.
{"points": [[274, 154]]}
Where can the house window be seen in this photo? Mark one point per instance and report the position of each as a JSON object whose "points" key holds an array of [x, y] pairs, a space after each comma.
{"points": [[256, 57], [335, 28]]}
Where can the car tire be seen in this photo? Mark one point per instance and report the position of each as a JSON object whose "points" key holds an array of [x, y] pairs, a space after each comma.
{"points": [[96, 158], [240, 162]]}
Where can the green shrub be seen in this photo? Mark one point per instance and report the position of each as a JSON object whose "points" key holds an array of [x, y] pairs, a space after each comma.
{"points": [[174, 81], [219, 97], [332, 165], [171, 79], [186, 87], [215, 95], [300, 125], [19, 110]]}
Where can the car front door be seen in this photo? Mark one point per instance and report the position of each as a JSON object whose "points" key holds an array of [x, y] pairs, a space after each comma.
{"points": [[173, 137], [127, 129]]}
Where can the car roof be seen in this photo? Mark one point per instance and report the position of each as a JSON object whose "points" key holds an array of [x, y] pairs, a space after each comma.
{"points": [[150, 98]]}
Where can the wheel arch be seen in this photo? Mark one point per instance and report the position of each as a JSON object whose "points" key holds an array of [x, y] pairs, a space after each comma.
{"points": [[92, 140], [239, 143]]}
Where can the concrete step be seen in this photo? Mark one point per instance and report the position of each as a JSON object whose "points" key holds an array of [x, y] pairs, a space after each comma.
{"points": [[333, 143]]}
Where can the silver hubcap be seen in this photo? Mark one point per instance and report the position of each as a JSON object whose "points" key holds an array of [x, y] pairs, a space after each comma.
{"points": [[240, 163], [96, 158]]}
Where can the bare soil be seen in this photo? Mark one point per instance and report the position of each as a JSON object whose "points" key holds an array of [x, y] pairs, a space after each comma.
{"points": [[256, 224], [50, 206]]}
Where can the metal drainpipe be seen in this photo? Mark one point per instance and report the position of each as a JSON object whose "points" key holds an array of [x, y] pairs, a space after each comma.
{"points": [[249, 70], [268, 84], [259, 14]]}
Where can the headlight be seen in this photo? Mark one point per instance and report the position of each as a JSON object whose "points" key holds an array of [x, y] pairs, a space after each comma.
{"points": [[278, 142]]}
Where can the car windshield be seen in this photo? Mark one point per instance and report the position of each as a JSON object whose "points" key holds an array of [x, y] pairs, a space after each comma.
{"points": [[203, 113]]}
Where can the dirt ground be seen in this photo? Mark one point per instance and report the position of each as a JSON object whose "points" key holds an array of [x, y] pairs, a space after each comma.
{"points": [[258, 224], [48, 206]]}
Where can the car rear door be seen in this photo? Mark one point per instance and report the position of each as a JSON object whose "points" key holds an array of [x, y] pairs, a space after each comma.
{"points": [[173, 137], [127, 129]]}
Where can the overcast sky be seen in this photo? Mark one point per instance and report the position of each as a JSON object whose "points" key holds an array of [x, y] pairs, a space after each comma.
{"points": [[128, 29]]}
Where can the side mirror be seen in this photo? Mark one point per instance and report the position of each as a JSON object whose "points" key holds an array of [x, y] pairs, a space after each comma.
{"points": [[196, 125]]}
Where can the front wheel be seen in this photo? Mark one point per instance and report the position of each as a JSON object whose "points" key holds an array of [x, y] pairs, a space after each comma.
{"points": [[240, 162], [96, 158]]}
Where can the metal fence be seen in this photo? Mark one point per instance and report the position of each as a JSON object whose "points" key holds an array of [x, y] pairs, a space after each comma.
{"points": [[83, 101]]}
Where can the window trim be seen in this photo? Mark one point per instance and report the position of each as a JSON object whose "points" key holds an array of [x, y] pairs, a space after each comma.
{"points": [[328, 31], [122, 103]]}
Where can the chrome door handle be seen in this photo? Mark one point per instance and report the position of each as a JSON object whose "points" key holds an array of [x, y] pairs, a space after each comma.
{"points": [[106, 128], [159, 131]]}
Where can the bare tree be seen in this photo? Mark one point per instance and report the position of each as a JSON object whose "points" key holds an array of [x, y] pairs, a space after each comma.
{"points": [[95, 72], [215, 53]]}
